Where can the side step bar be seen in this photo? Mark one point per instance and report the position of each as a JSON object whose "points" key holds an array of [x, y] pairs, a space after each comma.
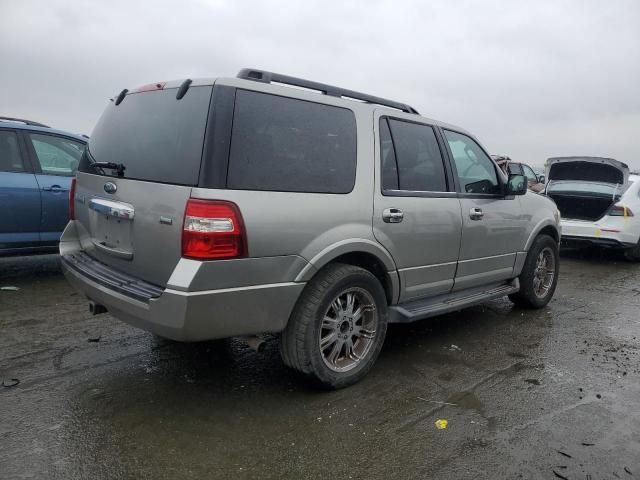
{"points": [[451, 302]]}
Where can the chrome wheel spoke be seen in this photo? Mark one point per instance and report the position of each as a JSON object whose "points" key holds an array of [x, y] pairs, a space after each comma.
{"points": [[366, 333], [337, 307], [351, 298], [350, 353], [329, 323], [335, 352], [328, 340]]}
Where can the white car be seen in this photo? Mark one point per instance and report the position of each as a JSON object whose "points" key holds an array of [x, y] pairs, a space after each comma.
{"points": [[599, 201]]}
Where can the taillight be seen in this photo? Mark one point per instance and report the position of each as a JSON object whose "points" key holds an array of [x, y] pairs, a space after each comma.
{"points": [[213, 229], [72, 199], [620, 211]]}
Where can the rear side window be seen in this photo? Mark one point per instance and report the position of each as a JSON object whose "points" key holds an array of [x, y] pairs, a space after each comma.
{"points": [[289, 145], [10, 160], [414, 162], [156, 137]]}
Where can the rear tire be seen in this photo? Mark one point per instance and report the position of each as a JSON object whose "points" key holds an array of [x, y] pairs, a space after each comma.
{"points": [[337, 327], [539, 276], [633, 253]]}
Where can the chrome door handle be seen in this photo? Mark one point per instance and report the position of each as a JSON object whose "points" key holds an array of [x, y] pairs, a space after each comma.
{"points": [[476, 213], [392, 215]]}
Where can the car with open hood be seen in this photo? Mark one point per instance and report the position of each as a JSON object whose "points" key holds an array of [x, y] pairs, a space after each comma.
{"points": [[599, 201]]}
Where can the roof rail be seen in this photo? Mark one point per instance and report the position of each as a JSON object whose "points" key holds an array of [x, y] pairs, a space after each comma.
{"points": [[269, 77], [26, 122]]}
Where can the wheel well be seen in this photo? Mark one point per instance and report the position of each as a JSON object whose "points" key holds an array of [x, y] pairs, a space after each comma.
{"points": [[371, 263], [551, 231]]}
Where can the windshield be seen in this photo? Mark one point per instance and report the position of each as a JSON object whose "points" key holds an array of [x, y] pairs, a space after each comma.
{"points": [[156, 137]]}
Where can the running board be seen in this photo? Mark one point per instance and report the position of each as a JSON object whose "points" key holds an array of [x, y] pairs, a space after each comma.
{"points": [[451, 302]]}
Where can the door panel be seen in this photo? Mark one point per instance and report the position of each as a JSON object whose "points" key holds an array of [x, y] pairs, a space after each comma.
{"points": [[56, 160], [19, 196], [493, 225], [424, 236], [489, 244], [55, 206]]}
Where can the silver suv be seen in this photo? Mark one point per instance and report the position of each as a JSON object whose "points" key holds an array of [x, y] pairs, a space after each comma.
{"points": [[228, 207]]}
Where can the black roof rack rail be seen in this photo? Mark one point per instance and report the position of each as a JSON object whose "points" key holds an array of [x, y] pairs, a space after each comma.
{"points": [[26, 122], [268, 77]]}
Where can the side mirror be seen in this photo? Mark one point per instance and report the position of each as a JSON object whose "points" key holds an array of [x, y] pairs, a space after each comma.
{"points": [[542, 178], [517, 185]]}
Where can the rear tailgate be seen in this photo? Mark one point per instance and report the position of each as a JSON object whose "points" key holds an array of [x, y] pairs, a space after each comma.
{"points": [[148, 244], [134, 221]]}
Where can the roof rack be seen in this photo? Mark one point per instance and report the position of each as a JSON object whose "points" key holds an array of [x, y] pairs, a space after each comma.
{"points": [[26, 122], [269, 77]]}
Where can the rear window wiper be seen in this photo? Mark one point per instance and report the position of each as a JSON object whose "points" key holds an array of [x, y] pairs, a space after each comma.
{"points": [[118, 167]]}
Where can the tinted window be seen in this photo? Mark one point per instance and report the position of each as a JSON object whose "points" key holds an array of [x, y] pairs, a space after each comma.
{"points": [[417, 154], [282, 144], [10, 160], [155, 136], [476, 171], [56, 155]]}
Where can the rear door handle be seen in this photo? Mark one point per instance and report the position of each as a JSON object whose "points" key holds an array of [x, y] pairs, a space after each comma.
{"points": [[392, 215], [476, 213], [54, 188]]}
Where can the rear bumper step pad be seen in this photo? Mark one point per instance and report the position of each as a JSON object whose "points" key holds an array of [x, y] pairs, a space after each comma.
{"points": [[110, 278]]}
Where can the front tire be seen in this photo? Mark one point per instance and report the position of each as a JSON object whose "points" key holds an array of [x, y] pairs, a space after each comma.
{"points": [[338, 326], [539, 276]]}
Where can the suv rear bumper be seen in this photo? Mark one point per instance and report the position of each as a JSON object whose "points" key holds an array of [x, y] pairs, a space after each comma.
{"points": [[182, 315]]}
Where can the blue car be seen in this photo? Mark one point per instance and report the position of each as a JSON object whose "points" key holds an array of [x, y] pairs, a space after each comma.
{"points": [[37, 164]]}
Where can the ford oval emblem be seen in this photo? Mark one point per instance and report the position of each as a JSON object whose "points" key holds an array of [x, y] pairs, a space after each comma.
{"points": [[110, 187]]}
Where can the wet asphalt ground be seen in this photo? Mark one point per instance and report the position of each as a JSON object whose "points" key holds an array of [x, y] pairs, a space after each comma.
{"points": [[527, 394]]}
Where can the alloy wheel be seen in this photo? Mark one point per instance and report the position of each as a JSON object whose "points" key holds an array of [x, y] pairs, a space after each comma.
{"points": [[348, 329]]}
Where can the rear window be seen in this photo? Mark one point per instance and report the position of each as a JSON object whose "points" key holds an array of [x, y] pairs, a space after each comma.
{"points": [[283, 144], [155, 136]]}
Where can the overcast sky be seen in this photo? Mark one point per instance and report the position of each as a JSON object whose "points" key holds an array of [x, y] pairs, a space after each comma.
{"points": [[530, 79]]}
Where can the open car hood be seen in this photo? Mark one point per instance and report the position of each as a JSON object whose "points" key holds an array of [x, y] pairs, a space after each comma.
{"points": [[587, 169]]}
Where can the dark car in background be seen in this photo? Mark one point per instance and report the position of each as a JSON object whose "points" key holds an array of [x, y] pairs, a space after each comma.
{"points": [[37, 164]]}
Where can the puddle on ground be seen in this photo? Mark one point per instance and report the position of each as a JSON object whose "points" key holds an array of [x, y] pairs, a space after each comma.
{"points": [[467, 401]]}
